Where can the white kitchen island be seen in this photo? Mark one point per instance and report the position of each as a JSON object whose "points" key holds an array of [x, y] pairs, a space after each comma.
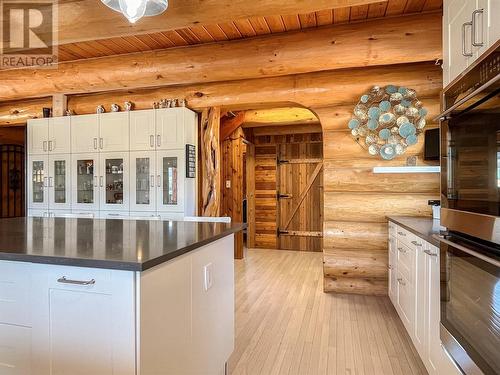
{"points": [[113, 297]]}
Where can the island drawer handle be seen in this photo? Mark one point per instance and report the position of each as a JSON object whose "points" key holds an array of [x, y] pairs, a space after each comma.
{"points": [[416, 243], [428, 252], [400, 280], [402, 250], [402, 234], [64, 280]]}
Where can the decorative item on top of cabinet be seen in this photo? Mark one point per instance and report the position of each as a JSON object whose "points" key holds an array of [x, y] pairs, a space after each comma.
{"points": [[100, 109], [387, 120], [115, 108], [128, 106]]}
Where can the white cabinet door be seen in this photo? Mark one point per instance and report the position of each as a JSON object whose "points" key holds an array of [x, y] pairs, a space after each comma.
{"points": [[114, 181], [38, 134], [421, 295], [84, 133], [142, 130], [85, 181], [60, 135], [170, 172], [84, 329], [38, 182], [15, 294], [458, 36], [114, 131], [59, 182], [15, 350], [393, 283], [406, 302], [486, 24], [434, 356], [169, 128], [142, 181]]}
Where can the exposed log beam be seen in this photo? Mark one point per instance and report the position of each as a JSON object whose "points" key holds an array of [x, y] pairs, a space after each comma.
{"points": [[279, 116], [228, 126], [322, 89], [345, 46], [286, 130], [82, 20]]}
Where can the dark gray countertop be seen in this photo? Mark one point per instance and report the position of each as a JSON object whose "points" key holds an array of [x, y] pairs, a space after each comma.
{"points": [[424, 227], [134, 245]]}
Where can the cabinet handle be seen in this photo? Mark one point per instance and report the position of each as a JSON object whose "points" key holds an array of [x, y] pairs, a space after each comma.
{"points": [[101, 181], [158, 140], [95, 143], [416, 243], [45, 182], [152, 140], [152, 180], [95, 182], [159, 181], [428, 252], [464, 52], [390, 267], [402, 250], [51, 181], [101, 143], [400, 280], [50, 146], [402, 234], [474, 42], [44, 146], [64, 280]]}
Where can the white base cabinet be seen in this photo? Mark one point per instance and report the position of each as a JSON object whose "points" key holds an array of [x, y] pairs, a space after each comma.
{"points": [[414, 289], [174, 319]]}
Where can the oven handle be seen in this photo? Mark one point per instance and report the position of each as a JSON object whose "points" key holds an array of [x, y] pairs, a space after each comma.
{"points": [[443, 115], [470, 252]]}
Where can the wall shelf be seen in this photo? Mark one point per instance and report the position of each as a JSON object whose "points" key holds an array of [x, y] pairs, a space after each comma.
{"points": [[408, 169]]}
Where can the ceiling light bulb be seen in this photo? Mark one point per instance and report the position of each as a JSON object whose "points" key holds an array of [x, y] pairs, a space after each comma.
{"points": [[133, 9]]}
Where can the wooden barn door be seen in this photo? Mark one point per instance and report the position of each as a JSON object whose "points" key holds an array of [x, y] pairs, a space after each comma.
{"points": [[300, 196]]}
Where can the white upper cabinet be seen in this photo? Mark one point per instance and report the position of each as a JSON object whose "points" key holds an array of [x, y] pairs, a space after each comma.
{"points": [[38, 182], [143, 181], [170, 180], [85, 181], [60, 135], [38, 133], [114, 131], [170, 128], [469, 28], [142, 130], [84, 133], [114, 181]]}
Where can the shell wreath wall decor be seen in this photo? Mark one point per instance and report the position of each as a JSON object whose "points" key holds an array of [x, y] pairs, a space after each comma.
{"points": [[387, 120]]}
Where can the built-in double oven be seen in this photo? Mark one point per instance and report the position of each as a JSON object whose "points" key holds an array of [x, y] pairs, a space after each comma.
{"points": [[470, 201]]}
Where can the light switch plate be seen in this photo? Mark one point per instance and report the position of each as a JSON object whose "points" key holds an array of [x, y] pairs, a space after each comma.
{"points": [[228, 184], [208, 276]]}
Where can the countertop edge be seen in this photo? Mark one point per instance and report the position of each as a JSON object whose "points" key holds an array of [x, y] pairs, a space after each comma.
{"points": [[429, 238], [114, 264]]}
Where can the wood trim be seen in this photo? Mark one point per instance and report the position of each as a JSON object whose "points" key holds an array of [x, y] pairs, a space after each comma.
{"points": [[228, 126], [210, 161], [250, 195], [304, 194]]}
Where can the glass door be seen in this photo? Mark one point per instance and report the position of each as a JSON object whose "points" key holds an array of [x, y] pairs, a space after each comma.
{"points": [[59, 182], [143, 191], [85, 182], [170, 180], [114, 181], [38, 183]]}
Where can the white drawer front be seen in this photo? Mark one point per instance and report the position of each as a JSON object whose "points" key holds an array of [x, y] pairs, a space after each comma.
{"points": [[406, 259], [404, 236], [15, 350], [15, 284]]}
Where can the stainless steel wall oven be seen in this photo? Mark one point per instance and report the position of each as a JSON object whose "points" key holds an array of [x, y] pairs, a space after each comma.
{"points": [[470, 201]]}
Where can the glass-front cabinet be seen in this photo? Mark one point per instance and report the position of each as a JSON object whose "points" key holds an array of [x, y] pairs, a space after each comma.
{"points": [[170, 180], [114, 181], [85, 178], [143, 181], [59, 182], [38, 182]]}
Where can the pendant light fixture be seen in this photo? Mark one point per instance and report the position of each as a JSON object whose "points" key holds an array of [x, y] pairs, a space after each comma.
{"points": [[136, 9]]}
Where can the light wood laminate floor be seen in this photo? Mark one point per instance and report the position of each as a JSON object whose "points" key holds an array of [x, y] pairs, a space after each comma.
{"points": [[285, 324]]}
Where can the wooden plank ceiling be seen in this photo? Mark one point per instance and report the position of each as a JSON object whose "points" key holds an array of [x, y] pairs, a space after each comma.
{"points": [[244, 28]]}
